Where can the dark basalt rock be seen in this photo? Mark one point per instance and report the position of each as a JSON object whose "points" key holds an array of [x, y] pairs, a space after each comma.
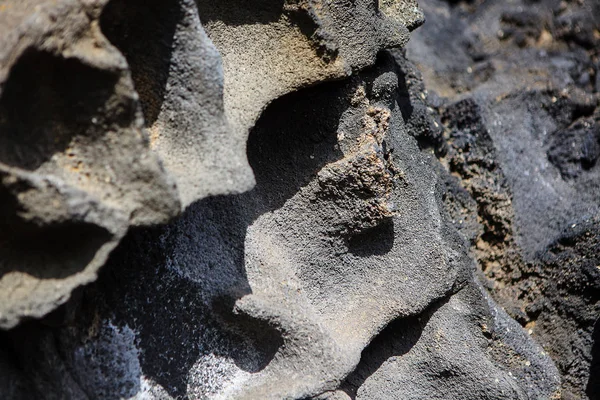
{"points": [[276, 200], [522, 139]]}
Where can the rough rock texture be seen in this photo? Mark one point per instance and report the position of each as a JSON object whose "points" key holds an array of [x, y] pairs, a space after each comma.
{"points": [[270, 48], [336, 240], [75, 166], [513, 97], [283, 287], [78, 160], [178, 74]]}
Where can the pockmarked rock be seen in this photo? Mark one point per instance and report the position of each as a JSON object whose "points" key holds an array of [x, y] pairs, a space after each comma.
{"points": [[137, 109], [178, 74], [75, 166], [280, 208], [338, 276], [516, 102], [271, 48]]}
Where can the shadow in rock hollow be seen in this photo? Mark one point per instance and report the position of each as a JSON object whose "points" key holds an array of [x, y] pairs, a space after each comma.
{"points": [[56, 251], [143, 30], [43, 109], [232, 12], [374, 241], [168, 291]]}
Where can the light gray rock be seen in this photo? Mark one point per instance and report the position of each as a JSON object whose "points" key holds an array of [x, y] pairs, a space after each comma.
{"points": [[178, 74]]}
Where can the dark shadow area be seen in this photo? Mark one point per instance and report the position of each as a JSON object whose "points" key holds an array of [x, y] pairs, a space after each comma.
{"points": [[143, 30], [293, 139], [36, 364], [13, 380], [45, 251], [403, 96], [394, 341], [421, 123], [52, 252], [232, 12], [46, 101], [171, 314], [375, 241], [593, 386]]}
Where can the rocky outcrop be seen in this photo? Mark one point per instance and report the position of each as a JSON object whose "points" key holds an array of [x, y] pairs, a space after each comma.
{"points": [[344, 240], [275, 206], [517, 106], [75, 165], [131, 117]]}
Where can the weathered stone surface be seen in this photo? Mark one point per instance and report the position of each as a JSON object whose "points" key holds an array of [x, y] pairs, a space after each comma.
{"points": [[271, 48], [84, 132], [282, 288], [75, 167], [518, 105], [457, 349], [178, 74], [337, 240]]}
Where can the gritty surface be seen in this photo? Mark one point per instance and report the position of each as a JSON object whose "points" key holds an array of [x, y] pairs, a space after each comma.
{"points": [[514, 114], [346, 223]]}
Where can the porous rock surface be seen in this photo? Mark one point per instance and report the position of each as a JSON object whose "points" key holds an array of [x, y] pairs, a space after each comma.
{"points": [[513, 112], [335, 222], [75, 165]]}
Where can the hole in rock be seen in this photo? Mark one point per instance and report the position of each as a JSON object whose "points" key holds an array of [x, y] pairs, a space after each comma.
{"points": [[378, 240], [51, 252], [42, 109]]}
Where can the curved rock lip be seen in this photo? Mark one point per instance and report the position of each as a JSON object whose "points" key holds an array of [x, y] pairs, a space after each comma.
{"points": [[107, 124], [75, 165]]}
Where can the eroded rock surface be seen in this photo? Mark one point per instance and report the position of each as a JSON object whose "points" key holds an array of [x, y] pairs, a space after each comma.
{"points": [[75, 166], [135, 110], [514, 109], [340, 227]]}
